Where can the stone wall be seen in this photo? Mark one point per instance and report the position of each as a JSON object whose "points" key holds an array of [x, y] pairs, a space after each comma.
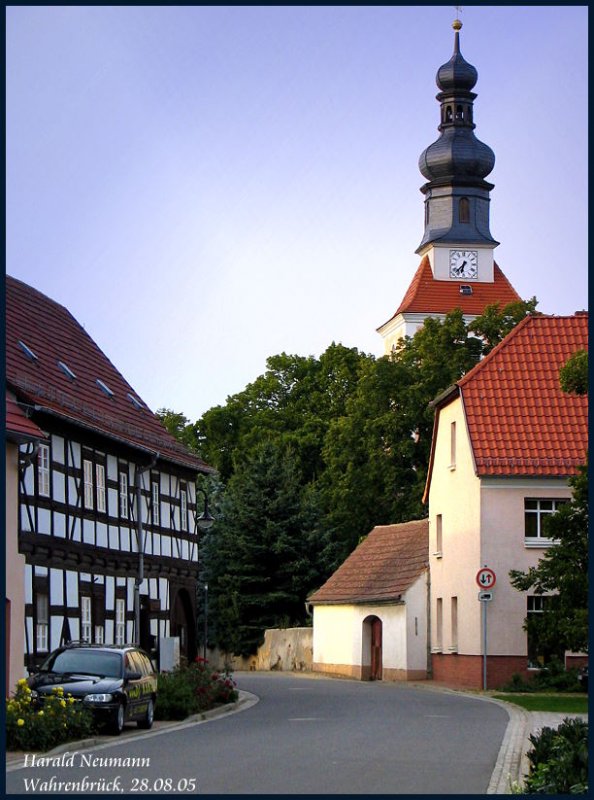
{"points": [[284, 649]]}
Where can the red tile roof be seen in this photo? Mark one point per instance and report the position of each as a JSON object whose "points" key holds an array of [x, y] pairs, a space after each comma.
{"points": [[18, 426], [426, 294], [381, 568], [519, 420], [52, 335]]}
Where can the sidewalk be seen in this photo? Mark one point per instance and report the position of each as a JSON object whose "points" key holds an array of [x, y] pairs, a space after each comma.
{"points": [[16, 759]]}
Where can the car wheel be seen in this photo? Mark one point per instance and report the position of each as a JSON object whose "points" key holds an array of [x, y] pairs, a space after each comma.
{"points": [[149, 716], [117, 725]]}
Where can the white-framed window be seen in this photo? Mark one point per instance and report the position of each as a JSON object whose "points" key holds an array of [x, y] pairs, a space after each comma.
{"points": [[123, 495], [88, 483], [120, 620], [535, 604], [452, 445], [43, 470], [42, 623], [183, 508], [454, 624], [85, 618], [156, 503], [98, 634], [439, 624], [438, 536], [101, 493], [536, 511]]}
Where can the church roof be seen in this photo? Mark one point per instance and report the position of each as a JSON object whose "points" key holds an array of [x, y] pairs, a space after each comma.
{"points": [[519, 420], [19, 427], [381, 568], [53, 365], [428, 295]]}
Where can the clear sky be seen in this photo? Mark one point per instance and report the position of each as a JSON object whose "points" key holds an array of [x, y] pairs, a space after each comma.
{"points": [[205, 186]]}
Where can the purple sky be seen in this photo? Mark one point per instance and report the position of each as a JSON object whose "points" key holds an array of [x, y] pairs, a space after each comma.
{"points": [[203, 187]]}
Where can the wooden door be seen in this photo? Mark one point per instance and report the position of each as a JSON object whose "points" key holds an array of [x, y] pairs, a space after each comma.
{"points": [[376, 650]]}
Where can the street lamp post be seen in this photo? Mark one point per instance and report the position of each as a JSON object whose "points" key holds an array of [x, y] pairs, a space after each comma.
{"points": [[203, 523]]}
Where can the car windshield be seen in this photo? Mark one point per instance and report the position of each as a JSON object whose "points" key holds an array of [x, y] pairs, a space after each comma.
{"points": [[87, 662]]}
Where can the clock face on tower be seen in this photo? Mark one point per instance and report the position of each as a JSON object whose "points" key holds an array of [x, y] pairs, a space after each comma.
{"points": [[463, 263]]}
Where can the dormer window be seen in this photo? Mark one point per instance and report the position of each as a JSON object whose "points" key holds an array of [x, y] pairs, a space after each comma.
{"points": [[27, 351], [135, 401], [66, 370], [104, 388]]}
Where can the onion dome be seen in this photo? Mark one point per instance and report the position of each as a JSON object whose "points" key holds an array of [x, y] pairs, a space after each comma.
{"points": [[456, 165], [457, 74], [457, 157]]}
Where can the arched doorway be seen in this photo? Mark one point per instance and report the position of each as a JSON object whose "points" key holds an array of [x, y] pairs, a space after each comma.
{"points": [[183, 624], [371, 661]]}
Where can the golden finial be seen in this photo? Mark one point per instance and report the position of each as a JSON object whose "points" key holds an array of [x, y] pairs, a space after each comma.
{"points": [[456, 24]]}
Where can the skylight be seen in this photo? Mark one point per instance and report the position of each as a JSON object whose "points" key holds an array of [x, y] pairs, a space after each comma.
{"points": [[66, 370], [104, 388], [27, 351], [135, 401]]}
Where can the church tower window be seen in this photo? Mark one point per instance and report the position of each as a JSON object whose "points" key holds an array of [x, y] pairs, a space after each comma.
{"points": [[464, 210]]}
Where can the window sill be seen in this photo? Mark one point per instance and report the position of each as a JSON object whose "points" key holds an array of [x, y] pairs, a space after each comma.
{"points": [[541, 543], [453, 649]]}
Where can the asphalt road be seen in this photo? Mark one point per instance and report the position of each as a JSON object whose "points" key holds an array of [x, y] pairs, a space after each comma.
{"points": [[305, 735]]}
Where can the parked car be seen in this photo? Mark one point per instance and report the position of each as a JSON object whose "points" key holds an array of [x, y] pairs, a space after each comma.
{"points": [[119, 683], [583, 678]]}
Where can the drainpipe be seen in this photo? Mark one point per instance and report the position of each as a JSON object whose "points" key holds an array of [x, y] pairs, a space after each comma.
{"points": [[140, 543], [26, 459], [429, 659]]}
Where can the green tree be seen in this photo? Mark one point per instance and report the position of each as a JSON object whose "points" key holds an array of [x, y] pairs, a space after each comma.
{"points": [[495, 322], [179, 426], [574, 374], [259, 558], [563, 569]]}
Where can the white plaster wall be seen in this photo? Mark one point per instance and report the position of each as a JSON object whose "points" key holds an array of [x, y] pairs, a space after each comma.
{"points": [[455, 494], [503, 548], [338, 635], [15, 572], [416, 624]]}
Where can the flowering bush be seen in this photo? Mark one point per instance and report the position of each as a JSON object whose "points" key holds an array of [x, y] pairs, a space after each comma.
{"points": [[33, 727], [191, 688]]}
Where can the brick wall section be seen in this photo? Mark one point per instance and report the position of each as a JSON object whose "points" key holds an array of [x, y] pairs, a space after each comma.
{"points": [[467, 671]]}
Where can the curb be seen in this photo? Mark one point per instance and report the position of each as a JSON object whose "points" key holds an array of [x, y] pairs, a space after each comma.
{"points": [[246, 700]]}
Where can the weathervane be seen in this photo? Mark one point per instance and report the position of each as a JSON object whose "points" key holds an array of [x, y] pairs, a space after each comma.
{"points": [[457, 24]]}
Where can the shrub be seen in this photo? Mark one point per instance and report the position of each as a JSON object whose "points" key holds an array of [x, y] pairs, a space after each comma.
{"points": [[559, 760], [192, 688], [553, 677], [34, 726]]}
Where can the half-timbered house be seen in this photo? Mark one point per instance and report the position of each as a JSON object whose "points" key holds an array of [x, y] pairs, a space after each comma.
{"points": [[107, 514]]}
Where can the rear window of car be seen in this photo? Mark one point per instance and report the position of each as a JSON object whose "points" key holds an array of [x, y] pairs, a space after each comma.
{"points": [[86, 662]]}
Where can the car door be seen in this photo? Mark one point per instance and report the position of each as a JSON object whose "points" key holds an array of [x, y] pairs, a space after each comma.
{"points": [[133, 686], [146, 684]]}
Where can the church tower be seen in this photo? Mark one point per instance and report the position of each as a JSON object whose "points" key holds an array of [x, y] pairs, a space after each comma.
{"points": [[457, 267]]}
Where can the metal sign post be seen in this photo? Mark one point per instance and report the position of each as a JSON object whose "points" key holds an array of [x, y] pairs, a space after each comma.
{"points": [[485, 579]]}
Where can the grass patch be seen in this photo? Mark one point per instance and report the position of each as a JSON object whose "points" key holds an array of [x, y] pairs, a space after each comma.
{"points": [[563, 704]]}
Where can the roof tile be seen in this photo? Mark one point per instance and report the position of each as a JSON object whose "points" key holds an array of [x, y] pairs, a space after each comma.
{"points": [[381, 568], [428, 295], [520, 422], [53, 335]]}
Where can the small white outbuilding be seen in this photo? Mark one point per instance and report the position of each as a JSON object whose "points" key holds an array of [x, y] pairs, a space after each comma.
{"points": [[370, 617]]}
